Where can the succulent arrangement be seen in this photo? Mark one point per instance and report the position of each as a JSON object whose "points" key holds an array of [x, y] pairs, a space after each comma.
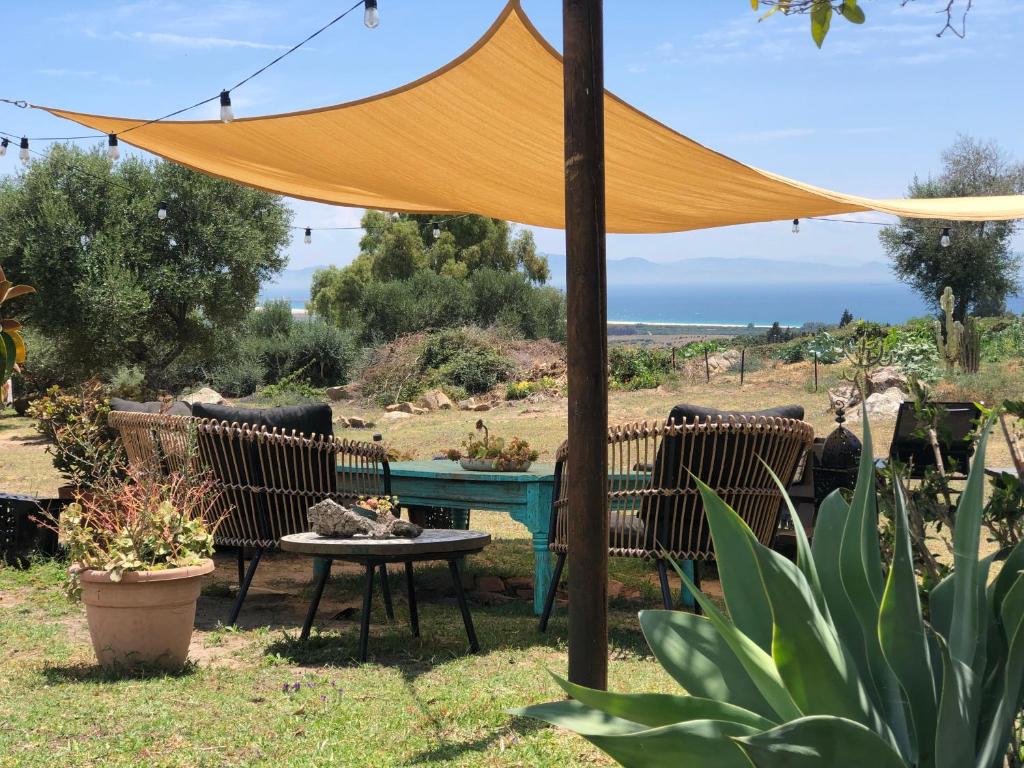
{"points": [[139, 523], [493, 453], [830, 660]]}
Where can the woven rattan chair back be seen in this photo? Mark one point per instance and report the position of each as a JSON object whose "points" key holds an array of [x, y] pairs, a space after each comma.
{"points": [[654, 504], [267, 479]]}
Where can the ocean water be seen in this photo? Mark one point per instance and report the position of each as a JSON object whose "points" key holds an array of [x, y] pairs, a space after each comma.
{"points": [[763, 305]]}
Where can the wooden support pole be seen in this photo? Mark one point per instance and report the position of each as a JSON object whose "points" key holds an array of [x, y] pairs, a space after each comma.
{"points": [[586, 341], [815, 371], [743, 363], [707, 367]]}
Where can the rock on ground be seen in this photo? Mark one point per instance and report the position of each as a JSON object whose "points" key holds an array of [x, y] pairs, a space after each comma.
{"points": [[435, 400], [888, 377], [395, 416], [204, 395], [845, 396], [885, 403]]}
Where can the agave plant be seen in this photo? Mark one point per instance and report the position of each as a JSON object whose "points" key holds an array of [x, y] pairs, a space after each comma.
{"points": [[828, 661], [12, 345]]}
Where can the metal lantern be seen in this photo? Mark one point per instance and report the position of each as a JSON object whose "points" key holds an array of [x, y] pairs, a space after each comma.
{"points": [[840, 457]]}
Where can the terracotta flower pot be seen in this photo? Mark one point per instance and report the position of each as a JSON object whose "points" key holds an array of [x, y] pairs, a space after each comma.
{"points": [[144, 619]]}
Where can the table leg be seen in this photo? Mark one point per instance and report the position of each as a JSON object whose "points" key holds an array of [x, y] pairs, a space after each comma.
{"points": [[385, 589], [688, 600], [460, 519], [414, 617], [364, 622], [541, 571], [323, 572], [467, 619]]}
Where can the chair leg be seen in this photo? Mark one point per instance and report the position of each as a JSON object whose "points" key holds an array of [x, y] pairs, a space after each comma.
{"points": [[666, 591], [385, 588], [467, 619], [414, 617], [549, 601], [696, 580], [364, 620], [318, 592], [243, 586], [241, 565]]}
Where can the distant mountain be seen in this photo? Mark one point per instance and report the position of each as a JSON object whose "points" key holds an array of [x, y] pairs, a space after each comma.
{"points": [[635, 272]]}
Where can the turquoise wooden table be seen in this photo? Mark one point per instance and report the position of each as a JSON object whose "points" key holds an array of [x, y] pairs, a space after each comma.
{"points": [[525, 496]]}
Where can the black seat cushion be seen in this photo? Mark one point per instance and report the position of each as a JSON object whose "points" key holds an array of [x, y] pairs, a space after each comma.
{"points": [[709, 466], [309, 420], [177, 408]]}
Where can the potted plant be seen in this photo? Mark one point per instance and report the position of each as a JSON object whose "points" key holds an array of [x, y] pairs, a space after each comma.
{"points": [[139, 547], [493, 455]]}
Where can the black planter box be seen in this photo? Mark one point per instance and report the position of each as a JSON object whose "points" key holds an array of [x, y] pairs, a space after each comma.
{"points": [[20, 535]]}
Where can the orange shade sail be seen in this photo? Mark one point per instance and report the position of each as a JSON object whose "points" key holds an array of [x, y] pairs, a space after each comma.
{"points": [[484, 135]]}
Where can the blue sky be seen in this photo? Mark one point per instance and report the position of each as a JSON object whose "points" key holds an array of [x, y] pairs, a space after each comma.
{"points": [[865, 114]]}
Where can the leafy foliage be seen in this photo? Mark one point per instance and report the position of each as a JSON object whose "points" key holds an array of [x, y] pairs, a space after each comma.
{"points": [[117, 285], [140, 523], [829, 660], [84, 449], [638, 367], [478, 271], [978, 265]]}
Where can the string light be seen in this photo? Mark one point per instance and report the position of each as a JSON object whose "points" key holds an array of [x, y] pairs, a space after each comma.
{"points": [[113, 152], [308, 238], [944, 240], [796, 226], [4, 144], [437, 230], [226, 113], [370, 16], [24, 153], [161, 212]]}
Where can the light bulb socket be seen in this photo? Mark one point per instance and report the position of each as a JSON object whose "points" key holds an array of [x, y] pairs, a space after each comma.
{"points": [[112, 149], [225, 98], [308, 236], [4, 144], [226, 113], [24, 153]]}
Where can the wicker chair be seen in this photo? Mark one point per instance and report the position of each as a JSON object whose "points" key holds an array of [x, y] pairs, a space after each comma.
{"points": [[267, 479], [654, 506]]}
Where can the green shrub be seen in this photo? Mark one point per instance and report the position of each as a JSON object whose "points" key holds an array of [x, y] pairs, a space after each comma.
{"points": [[830, 661], [293, 389], [912, 348], [325, 352], [477, 370], [238, 377], [128, 382], [1004, 341], [275, 318], [518, 390], [638, 367]]}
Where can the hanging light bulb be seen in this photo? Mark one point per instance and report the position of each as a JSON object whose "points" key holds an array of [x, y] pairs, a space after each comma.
{"points": [[84, 240], [437, 231], [226, 113], [308, 238], [370, 16], [161, 212], [944, 240], [113, 151], [24, 154], [4, 144], [796, 226]]}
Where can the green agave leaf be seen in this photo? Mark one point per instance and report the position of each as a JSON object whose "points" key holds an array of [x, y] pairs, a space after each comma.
{"points": [[1007, 577], [758, 665], [964, 632], [691, 743], [940, 599], [828, 538], [804, 557], [902, 635], [807, 652], [691, 650], [860, 570], [954, 737], [579, 718], [655, 709], [738, 571], [1009, 689], [817, 742], [699, 742]]}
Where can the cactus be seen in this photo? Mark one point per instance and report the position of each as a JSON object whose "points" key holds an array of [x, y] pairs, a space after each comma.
{"points": [[948, 344], [970, 346]]}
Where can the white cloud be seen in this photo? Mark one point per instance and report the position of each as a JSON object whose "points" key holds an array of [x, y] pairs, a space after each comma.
{"points": [[777, 134], [201, 42]]}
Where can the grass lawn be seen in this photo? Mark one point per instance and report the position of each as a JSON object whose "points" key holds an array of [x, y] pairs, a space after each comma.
{"points": [[256, 696]]}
